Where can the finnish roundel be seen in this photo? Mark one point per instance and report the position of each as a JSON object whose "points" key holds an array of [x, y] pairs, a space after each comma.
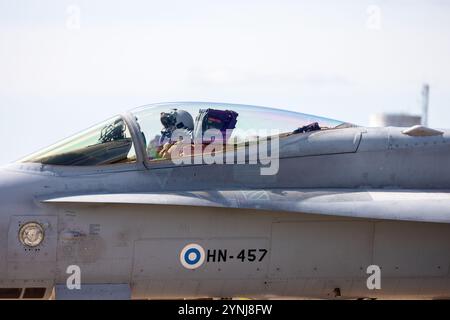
{"points": [[192, 256]]}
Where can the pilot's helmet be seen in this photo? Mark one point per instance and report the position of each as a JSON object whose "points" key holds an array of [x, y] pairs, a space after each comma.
{"points": [[177, 119]]}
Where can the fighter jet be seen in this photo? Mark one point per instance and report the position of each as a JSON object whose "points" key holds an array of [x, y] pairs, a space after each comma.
{"points": [[214, 200]]}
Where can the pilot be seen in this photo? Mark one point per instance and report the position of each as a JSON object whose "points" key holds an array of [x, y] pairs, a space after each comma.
{"points": [[173, 120]]}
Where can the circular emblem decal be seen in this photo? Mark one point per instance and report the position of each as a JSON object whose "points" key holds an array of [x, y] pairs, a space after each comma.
{"points": [[31, 234], [192, 256]]}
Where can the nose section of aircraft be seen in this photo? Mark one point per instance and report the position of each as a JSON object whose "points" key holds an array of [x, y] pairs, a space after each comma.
{"points": [[17, 198], [7, 196], [6, 186], [9, 205], [16, 193]]}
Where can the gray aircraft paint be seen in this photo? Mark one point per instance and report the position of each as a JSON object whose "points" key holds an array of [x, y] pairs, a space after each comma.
{"points": [[342, 200]]}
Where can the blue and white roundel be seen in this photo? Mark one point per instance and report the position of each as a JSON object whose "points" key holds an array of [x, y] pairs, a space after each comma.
{"points": [[192, 256]]}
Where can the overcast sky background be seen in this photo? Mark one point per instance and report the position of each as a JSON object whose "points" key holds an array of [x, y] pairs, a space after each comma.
{"points": [[65, 65]]}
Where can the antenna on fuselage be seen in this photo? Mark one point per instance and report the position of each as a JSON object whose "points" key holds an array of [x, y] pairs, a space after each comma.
{"points": [[425, 102]]}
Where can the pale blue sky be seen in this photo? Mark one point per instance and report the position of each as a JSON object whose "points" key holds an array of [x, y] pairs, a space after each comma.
{"points": [[339, 59]]}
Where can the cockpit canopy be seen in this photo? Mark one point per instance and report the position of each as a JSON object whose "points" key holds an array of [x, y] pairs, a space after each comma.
{"points": [[106, 143], [111, 142]]}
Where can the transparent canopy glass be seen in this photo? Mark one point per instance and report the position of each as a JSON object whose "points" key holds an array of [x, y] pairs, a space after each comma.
{"points": [[250, 120], [110, 142], [106, 143]]}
